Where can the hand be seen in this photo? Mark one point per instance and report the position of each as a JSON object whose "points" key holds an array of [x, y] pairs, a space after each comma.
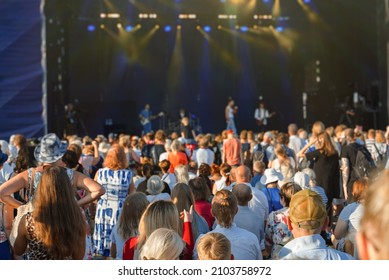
{"points": [[312, 141], [94, 143], [187, 216]]}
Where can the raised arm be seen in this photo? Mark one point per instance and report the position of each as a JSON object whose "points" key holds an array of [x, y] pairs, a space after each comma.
{"points": [[94, 189], [13, 185], [302, 152]]}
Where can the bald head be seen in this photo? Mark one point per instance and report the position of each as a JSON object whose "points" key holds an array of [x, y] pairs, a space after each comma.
{"points": [[243, 174], [242, 193]]}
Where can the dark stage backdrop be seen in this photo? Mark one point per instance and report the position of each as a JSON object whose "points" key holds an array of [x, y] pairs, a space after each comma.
{"points": [[21, 74], [113, 73]]}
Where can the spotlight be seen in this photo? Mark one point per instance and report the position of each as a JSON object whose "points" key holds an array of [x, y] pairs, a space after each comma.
{"points": [[244, 28], [307, 1], [129, 28], [279, 29], [179, 27], [156, 26], [102, 26], [207, 28], [168, 28], [91, 28], [119, 26], [266, 1]]}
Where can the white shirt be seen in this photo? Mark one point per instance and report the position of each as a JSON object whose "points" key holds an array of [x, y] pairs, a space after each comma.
{"points": [[170, 179], [261, 114], [160, 196], [246, 219], [295, 143], [6, 172], [259, 204], [244, 244], [221, 184], [352, 215], [312, 247], [202, 155]]}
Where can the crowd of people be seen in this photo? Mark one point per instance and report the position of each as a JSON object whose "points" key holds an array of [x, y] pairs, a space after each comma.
{"points": [[318, 194]]}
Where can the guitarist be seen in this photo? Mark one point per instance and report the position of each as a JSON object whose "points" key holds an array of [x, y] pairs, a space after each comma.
{"points": [[262, 115], [145, 117]]}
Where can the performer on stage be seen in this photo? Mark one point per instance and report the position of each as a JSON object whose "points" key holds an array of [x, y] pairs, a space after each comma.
{"points": [[145, 117], [262, 115], [229, 113], [71, 117]]}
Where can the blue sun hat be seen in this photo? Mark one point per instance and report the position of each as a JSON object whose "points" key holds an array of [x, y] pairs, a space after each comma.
{"points": [[50, 149], [3, 157]]}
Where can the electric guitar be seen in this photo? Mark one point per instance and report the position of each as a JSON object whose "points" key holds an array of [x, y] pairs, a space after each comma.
{"points": [[144, 121], [260, 122]]}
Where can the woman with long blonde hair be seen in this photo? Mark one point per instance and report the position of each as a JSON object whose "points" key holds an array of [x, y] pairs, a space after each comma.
{"points": [[160, 214], [56, 228], [128, 223], [118, 183]]}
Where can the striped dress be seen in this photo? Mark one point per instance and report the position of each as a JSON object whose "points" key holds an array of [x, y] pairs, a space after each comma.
{"points": [[116, 184]]}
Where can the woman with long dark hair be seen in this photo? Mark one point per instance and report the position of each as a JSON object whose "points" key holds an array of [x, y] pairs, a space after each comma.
{"points": [[326, 164]]}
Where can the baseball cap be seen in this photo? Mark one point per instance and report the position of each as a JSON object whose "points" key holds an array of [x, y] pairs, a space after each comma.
{"points": [[306, 210]]}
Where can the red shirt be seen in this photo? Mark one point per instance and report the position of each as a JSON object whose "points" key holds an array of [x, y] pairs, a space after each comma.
{"points": [[232, 150], [187, 235], [176, 160], [204, 208]]}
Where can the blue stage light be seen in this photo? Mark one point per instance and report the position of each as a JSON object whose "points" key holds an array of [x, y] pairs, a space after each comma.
{"points": [[279, 29], [207, 28], [91, 28], [168, 28], [266, 1], [129, 28], [307, 1], [244, 28]]}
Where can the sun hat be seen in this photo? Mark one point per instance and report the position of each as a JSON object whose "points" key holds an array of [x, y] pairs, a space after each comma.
{"points": [[4, 146], [3, 157], [270, 176], [307, 210], [302, 179], [50, 149]]}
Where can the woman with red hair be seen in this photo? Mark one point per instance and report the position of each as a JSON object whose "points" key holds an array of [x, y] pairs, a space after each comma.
{"points": [[117, 181]]}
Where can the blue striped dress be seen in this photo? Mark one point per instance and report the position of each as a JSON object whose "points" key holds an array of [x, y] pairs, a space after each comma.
{"points": [[116, 184]]}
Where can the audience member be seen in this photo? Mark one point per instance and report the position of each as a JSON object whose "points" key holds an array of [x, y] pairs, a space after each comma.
{"points": [[214, 246], [307, 217], [127, 226]]}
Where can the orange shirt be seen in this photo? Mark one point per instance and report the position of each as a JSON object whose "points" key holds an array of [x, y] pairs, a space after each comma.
{"points": [[176, 160]]}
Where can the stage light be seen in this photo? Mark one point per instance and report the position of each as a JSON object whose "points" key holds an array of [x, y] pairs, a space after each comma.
{"points": [[307, 1], [168, 28], [219, 27], [244, 28], [207, 28], [91, 28], [103, 15], [279, 29], [156, 26], [129, 28], [266, 1], [113, 15], [119, 25], [187, 16], [102, 26], [179, 27]]}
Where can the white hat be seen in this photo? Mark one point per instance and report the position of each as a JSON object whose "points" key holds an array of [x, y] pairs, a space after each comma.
{"points": [[302, 179], [270, 176]]}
